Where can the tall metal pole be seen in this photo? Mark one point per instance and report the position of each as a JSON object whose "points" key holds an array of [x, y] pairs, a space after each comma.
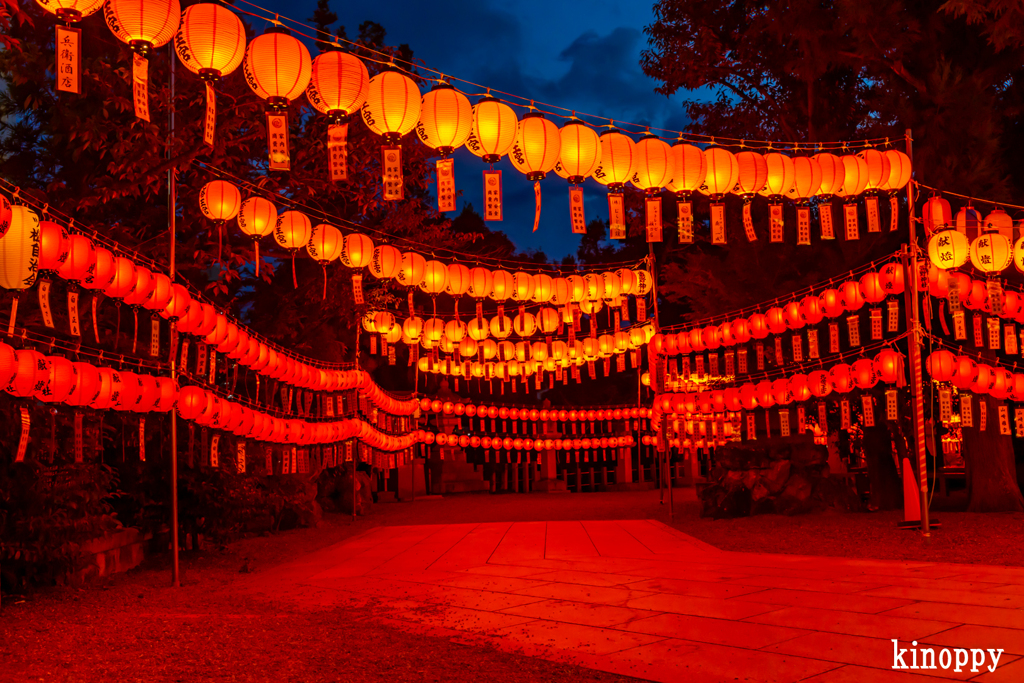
{"points": [[664, 481], [172, 198], [914, 342]]}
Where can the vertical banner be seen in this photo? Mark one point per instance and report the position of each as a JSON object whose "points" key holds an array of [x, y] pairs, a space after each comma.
{"points": [[215, 451], [954, 292], [641, 308], [994, 299], [966, 411], [844, 414], [26, 424], [492, 196], [767, 424], [945, 404], [579, 221], [982, 414], [874, 220], [210, 119], [833, 337], [684, 222], [741, 360], [801, 419], [142, 438], [894, 212], [748, 223], [798, 348], [891, 404], [686, 374], [536, 205], [357, 289], [1004, 420], [893, 307], [140, 86], [616, 216], [44, 302], [867, 402], [277, 142], [959, 325], [779, 360], [828, 230], [1018, 422], [730, 363], [823, 417], [391, 164], [850, 219], [154, 336], [876, 323], [337, 151], [759, 351], [240, 457], [713, 364], [979, 342], [652, 212], [783, 421], [213, 366], [79, 443], [803, 225], [812, 343], [200, 360], [776, 223], [718, 223], [1010, 339], [69, 59], [993, 333], [700, 366], [751, 426], [445, 185]]}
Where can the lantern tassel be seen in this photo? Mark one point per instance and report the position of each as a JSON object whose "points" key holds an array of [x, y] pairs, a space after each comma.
{"points": [[220, 241], [295, 281], [536, 212], [14, 316], [324, 297], [135, 335], [256, 249], [117, 330]]}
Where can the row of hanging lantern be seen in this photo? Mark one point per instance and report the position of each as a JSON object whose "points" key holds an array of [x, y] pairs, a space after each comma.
{"points": [[987, 242], [851, 296], [32, 247], [842, 378], [221, 201], [428, 405], [979, 378], [209, 39], [526, 443]]}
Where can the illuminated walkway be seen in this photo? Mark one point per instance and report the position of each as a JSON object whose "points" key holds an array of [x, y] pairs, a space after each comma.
{"points": [[638, 598]]}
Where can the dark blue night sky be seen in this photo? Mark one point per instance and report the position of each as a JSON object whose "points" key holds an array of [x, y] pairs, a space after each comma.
{"points": [[579, 55]]}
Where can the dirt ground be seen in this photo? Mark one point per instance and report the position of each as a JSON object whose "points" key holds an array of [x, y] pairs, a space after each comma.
{"points": [[136, 628]]}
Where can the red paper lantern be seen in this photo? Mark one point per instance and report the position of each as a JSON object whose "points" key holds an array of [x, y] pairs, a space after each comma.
{"points": [[53, 247], [799, 387], [831, 303], [781, 391], [984, 379], [891, 278], [710, 337], [889, 365], [123, 280], [765, 394], [978, 296], [697, 340], [810, 310], [277, 66], [871, 288], [741, 330], [851, 296], [178, 304], [794, 318], [819, 383], [749, 396], [683, 342], [841, 378], [1002, 384], [338, 84], [56, 381], [864, 374], [86, 388], [941, 365], [758, 326], [143, 24], [776, 320]]}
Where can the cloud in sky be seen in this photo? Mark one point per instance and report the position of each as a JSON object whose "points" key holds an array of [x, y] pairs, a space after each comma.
{"points": [[572, 55]]}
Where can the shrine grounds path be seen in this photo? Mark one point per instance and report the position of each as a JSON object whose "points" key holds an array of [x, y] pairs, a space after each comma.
{"points": [[515, 588]]}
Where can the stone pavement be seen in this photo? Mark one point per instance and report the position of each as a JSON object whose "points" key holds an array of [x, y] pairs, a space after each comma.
{"points": [[638, 598]]}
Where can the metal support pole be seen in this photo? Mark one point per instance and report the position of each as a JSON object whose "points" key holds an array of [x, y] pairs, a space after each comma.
{"points": [[914, 342], [172, 198]]}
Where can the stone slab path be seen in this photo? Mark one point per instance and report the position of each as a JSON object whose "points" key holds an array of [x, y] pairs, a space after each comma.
{"points": [[638, 598]]}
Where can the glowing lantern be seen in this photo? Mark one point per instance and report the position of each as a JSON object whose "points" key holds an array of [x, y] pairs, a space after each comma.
{"points": [[856, 176], [292, 232], [948, 249], [19, 249], [81, 256], [775, 319], [653, 164], [851, 297], [807, 178], [543, 287], [219, 200], [338, 84], [446, 119], [535, 152], [740, 330], [144, 283], [325, 244], [435, 278], [143, 25], [794, 316], [799, 388], [891, 278], [479, 284], [781, 391], [548, 320], [579, 151], [968, 219], [871, 288], [433, 329], [991, 252], [964, 372], [501, 327], [53, 247], [781, 175], [413, 268], [277, 68], [753, 173], [123, 281], [412, 327], [899, 170], [211, 44], [618, 160], [889, 365], [758, 326], [936, 215], [864, 374], [455, 330], [689, 168], [502, 284], [831, 303], [256, 218], [841, 378], [524, 325], [833, 174], [386, 262], [392, 106], [819, 384], [522, 287], [644, 283], [494, 130], [984, 377], [722, 172], [877, 164]]}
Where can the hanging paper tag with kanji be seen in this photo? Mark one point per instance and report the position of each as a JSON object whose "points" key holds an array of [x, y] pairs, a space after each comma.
{"points": [[801, 420], [718, 223], [874, 219], [684, 222], [798, 348], [767, 424], [26, 422], [213, 366], [850, 219], [868, 408], [730, 364], [713, 364], [277, 142], [776, 223], [822, 417], [954, 293], [995, 297], [536, 205], [894, 316], [803, 225], [1010, 339], [828, 231], [959, 325], [240, 457], [759, 353], [876, 323], [652, 207], [200, 360], [210, 120], [329, 406], [445, 185], [1018, 422], [140, 86], [579, 222], [616, 216], [945, 404], [624, 307], [391, 355], [891, 404], [184, 353], [844, 414], [993, 333], [492, 196], [751, 426], [154, 337], [641, 308], [779, 360], [812, 343], [741, 360], [853, 326], [69, 59], [337, 151], [620, 362], [833, 337], [686, 368], [894, 213], [214, 450], [79, 444], [982, 414], [783, 421], [979, 342], [748, 223], [357, 289], [142, 439], [700, 365], [44, 302], [391, 163], [1004, 420]]}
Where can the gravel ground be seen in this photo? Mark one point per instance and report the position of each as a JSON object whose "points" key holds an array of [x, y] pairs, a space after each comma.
{"points": [[135, 628]]}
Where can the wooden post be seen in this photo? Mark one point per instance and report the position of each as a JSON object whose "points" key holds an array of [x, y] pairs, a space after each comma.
{"points": [[172, 191]]}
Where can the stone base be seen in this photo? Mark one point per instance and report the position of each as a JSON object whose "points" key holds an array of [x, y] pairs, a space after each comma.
{"points": [[111, 554], [465, 486], [630, 486], [550, 486]]}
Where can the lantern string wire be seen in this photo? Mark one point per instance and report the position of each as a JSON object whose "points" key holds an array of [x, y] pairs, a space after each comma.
{"points": [[969, 198], [959, 350], [385, 59]]}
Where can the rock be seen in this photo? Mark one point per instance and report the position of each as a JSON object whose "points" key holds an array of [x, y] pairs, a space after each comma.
{"points": [[758, 492], [835, 493], [733, 479], [775, 478], [808, 454], [750, 478], [765, 506], [795, 498], [719, 502]]}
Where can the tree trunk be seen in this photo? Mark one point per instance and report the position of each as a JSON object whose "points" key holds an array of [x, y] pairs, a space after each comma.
{"points": [[990, 462], [886, 487]]}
